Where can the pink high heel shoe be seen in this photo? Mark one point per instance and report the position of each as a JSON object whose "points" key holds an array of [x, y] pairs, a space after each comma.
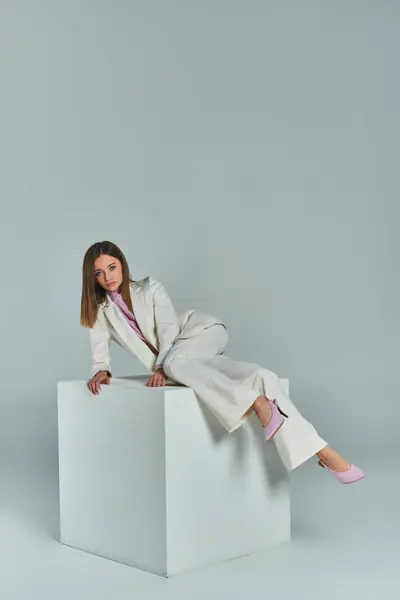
{"points": [[276, 421], [350, 476]]}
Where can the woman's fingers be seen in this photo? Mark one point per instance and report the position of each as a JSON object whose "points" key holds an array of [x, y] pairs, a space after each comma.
{"points": [[94, 384], [159, 380], [156, 380]]}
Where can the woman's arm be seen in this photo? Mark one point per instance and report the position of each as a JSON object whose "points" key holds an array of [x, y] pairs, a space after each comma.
{"points": [[166, 320], [100, 345]]}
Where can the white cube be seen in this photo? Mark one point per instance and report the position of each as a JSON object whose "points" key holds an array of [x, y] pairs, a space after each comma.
{"points": [[148, 477]]}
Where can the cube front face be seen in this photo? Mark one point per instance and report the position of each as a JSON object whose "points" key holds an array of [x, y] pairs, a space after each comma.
{"points": [[112, 473], [150, 479]]}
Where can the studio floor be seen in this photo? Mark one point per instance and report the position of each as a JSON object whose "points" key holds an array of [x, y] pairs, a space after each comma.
{"points": [[345, 545]]}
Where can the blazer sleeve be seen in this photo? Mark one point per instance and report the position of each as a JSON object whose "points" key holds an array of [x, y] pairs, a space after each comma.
{"points": [[100, 345], [166, 320]]}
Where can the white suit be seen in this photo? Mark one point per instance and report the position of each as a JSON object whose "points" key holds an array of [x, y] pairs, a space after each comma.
{"points": [[191, 348]]}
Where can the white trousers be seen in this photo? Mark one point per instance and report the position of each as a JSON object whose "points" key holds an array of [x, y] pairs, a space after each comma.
{"points": [[229, 387]]}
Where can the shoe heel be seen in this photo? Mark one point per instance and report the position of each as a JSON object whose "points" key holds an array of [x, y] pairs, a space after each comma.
{"points": [[281, 411]]}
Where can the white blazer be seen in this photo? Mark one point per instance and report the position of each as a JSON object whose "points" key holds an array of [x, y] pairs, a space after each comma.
{"points": [[157, 320]]}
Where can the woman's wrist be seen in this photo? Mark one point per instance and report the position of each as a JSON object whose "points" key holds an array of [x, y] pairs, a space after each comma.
{"points": [[108, 373]]}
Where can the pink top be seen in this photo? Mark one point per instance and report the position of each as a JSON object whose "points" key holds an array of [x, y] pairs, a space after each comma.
{"points": [[130, 317]]}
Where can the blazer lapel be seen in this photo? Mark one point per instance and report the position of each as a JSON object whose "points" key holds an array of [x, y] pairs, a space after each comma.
{"points": [[124, 331], [120, 324], [143, 313]]}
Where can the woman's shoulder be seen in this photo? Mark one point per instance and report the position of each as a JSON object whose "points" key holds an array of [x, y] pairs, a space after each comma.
{"points": [[148, 281]]}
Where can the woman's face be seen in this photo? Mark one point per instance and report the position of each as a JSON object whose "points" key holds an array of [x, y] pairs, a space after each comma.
{"points": [[108, 272]]}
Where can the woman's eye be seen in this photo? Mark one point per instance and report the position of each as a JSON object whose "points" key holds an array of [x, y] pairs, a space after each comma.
{"points": [[112, 268]]}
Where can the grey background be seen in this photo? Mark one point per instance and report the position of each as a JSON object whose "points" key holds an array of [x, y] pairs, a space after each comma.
{"points": [[243, 153]]}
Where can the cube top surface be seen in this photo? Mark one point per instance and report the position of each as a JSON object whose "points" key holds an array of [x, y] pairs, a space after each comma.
{"points": [[134, 382]]}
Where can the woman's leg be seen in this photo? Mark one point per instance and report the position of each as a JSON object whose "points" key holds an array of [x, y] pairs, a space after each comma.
{"points": [[329, 456], [232, 390], [197, 362], [333, 459]]}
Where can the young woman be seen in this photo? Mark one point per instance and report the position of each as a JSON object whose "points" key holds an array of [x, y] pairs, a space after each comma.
{"points": [[189, 350]]}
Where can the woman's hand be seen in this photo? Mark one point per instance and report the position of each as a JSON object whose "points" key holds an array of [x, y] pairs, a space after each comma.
{"points": [[94, 384], [158, 379]]}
